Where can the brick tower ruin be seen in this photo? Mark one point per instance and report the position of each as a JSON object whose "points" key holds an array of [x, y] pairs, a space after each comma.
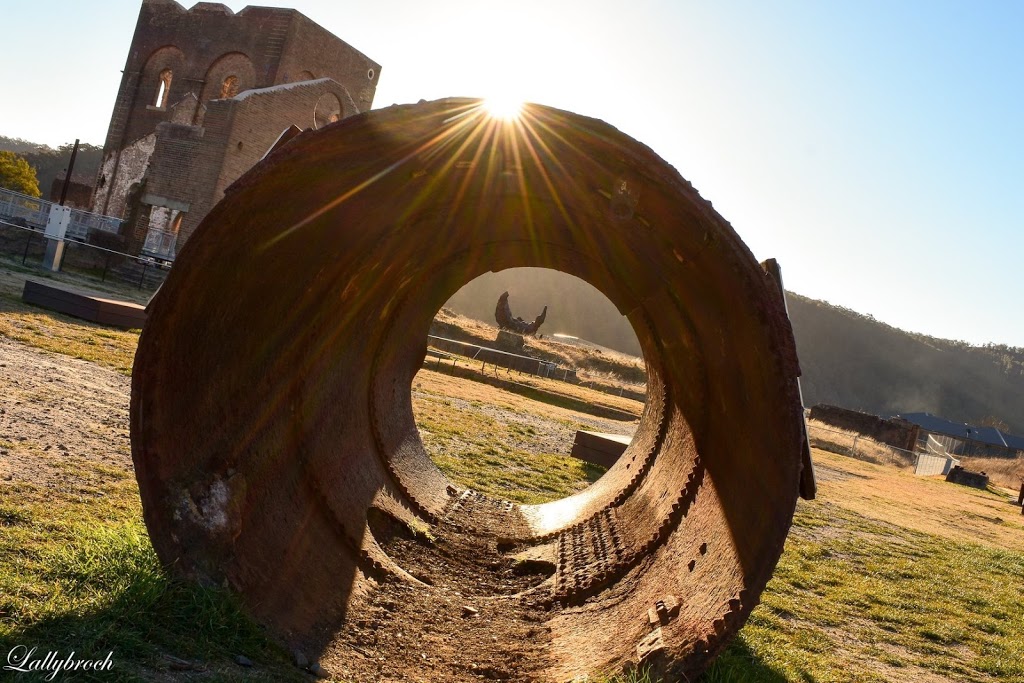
{"points": [[205, 93]]}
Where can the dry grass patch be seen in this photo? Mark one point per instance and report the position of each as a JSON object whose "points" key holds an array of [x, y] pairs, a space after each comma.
{"points": [[63, 334], [600, 366], [926, 504], [889, 577], [1006, 472], [538, 395]]}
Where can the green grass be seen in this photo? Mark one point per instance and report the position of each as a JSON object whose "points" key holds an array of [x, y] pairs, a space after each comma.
{"points": [[79, 574], [520, 476], [480, 452], [857, 600], [641, 675]]}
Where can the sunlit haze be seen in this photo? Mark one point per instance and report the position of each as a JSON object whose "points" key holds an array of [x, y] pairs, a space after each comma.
{"points": [[503, 106], [876, 149]]}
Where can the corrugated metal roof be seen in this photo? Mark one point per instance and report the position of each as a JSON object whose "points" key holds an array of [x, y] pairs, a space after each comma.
{"points": [[962, 430], [1014, 441]]}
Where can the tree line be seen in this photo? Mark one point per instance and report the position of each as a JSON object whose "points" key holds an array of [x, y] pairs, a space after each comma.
{"points": [[31, 168]]}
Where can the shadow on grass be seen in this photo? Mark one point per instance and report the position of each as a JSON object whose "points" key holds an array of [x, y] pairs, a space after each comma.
{"points": [[739, 664], [593, 472], [550, 398], [110, 595]]}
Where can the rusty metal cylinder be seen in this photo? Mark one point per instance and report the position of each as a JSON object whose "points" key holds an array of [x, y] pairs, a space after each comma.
{"points": [[271, 408]]}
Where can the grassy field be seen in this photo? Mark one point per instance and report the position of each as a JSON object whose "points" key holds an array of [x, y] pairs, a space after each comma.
{"points": [[77, 573], [506, 442], [885, 577], [889, 577], [105, 346]]}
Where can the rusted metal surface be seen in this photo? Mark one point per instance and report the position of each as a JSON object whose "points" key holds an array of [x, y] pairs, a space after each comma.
{"points": [[271, 404]]}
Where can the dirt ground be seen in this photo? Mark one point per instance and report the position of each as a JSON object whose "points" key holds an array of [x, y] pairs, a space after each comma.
{"points": [[60, 417], [458, 628], [64, 423]]}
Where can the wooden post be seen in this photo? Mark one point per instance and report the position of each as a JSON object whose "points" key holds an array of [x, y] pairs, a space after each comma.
{"points": [[1020, 498], [67, 174]]}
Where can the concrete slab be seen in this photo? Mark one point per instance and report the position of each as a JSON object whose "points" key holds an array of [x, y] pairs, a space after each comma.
{"points": [[599, 448], [91, 306]]}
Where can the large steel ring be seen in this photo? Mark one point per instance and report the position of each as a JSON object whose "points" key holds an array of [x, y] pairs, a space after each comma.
{"points": [[271, 406]]}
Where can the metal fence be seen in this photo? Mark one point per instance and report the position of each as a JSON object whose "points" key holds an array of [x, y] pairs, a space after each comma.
{"points": [[858, 446], [502, 359], [934, 459], [34, 213], [931, 463], [160, 244], [19, 207], [27, 245]]}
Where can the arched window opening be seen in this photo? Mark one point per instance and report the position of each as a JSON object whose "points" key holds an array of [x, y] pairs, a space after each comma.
{"points": [[164, 90], [229, 88]]}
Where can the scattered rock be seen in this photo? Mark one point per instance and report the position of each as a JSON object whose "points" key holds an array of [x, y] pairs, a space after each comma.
{"points": [[469, 611], [301, 660], [242, 660], [318, 671]]}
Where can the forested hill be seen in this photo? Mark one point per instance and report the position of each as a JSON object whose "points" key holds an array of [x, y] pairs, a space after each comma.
{"points": [[18, 145], [848, 359], [855, 361], [50, 163], [574, 307]]}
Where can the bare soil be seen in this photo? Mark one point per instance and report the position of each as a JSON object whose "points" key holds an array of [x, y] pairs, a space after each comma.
{"points": [[60, 419], [474, 619], [64, 426]]}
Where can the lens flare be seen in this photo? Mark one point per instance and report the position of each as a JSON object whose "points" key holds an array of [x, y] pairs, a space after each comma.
{"points": [[506, 108]]}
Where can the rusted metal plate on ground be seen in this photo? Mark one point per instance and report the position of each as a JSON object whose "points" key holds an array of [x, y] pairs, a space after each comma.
{"points": [[272, 427]]}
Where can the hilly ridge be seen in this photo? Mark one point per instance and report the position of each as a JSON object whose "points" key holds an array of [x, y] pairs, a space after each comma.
{"points": [[855, 361], [848, 359]]}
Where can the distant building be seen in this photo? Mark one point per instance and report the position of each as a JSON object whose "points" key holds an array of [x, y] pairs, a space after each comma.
{"points": [[79, 195], [205, 93], [895, 432], [960, 438]]}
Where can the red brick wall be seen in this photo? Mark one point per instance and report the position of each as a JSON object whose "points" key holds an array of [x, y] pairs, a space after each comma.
{"points": [[261, 46]]}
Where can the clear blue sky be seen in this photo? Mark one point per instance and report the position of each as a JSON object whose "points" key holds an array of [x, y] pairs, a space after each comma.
{"points": [[875, 148]]}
